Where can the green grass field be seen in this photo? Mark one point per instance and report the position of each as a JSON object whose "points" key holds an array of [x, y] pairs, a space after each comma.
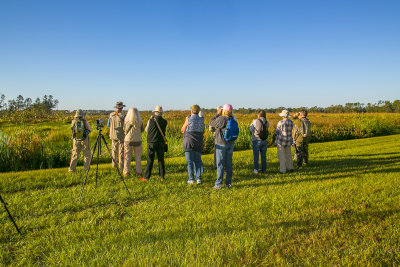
{"points": [[342, 209]]}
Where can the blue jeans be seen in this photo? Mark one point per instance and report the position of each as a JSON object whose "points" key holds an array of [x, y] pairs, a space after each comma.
{"points": [[194, 164], [260, 146], [224, 155]]}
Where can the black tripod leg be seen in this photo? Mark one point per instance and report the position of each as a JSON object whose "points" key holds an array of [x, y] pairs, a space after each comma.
{"points": [[116, 165], [87, 172], [98, 155], [9, 214]]}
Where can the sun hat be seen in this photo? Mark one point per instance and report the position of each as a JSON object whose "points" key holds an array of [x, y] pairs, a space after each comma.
{"points": [[158, 109], [284, 113], [119, 104], [79, 113], [227, 107], [195, 109]]}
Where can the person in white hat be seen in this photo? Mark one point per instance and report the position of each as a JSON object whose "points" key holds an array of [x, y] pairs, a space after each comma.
{"points": [[284, 141], [155, 143], [117, 135], [80, 141]]}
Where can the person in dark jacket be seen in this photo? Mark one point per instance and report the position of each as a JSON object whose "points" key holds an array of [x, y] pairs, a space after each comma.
{"points": [[193, 130], [155, 143], [224, 149]]}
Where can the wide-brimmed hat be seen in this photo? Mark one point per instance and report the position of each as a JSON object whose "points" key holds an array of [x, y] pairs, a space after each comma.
{"points": [[195, 109], [79, 113], [158, 109], [284, 113], [119, 104], [227, 107]]}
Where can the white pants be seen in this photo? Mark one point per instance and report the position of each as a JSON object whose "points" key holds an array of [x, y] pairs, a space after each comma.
{"points": [[128, 157], [285, 158]]}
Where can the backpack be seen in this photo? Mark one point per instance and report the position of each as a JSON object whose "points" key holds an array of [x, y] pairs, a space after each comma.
{"points": [[264, 131], [306, 128], [79, 129], [231, 130]]}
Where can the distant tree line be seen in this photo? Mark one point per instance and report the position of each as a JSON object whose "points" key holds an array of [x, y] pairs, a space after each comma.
{"points": [[380, 107], [21, 108]]}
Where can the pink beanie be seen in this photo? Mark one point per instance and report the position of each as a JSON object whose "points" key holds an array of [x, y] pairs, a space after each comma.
{"points": [[227, 107]]}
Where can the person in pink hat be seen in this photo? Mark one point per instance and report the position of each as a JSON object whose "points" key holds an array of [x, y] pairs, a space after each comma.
{"points": [[226, 132]]}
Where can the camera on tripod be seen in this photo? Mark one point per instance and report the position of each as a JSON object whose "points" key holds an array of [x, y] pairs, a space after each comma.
{"points": [[99, 123]]}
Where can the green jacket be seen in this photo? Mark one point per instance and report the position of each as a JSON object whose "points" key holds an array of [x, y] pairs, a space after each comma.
{"points": [[302, 130]]}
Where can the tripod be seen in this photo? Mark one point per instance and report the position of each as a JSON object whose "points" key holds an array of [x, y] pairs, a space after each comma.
{"points": [[9, 214], [97, 144]]}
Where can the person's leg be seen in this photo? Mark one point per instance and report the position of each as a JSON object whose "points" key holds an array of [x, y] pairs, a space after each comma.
{"points": [[150, 160], [306, 152], [160, 157], [256, 152], [127, 159], [263, 151], [121, 155], [197, 164], [229, 164], [288, 157], [219, 152], [299, 154], [189, 162], [215, 157], [74, 156], [86, 154], [138, 158], [114, 152], [282, 159]]}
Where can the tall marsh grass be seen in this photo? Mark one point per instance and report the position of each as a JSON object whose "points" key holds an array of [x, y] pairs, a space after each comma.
{"points": [[48, 144]]}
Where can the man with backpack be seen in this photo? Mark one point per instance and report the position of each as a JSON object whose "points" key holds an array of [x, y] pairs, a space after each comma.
{"points": [[226, 132], [259, 130], [80, 141], [302, 136]]}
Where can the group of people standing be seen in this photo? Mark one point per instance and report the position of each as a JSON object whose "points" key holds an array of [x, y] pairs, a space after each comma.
{"points": [[126, 137]]}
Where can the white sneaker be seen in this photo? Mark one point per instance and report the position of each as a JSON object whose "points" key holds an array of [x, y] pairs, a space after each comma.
{"points": [[198, 181], [190, 182], [255, 171]]}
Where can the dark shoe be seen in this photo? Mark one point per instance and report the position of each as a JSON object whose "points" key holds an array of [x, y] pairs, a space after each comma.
{"points": [[291, 170], [228, 186]]}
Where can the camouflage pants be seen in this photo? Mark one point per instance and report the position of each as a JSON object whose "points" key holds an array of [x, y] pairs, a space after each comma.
{"points": [[117, 152], [77, 147], [302, 153], [128, 157]]}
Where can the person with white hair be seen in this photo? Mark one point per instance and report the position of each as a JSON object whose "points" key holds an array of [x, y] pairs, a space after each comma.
{"points": [[156, 127], [133, 128], [284, 141]]}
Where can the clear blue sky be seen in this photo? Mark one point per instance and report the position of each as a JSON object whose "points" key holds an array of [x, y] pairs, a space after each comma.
{"points": [[90, 54]]}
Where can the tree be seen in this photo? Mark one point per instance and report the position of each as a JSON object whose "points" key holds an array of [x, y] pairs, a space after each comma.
{"points": [[3, 104]]}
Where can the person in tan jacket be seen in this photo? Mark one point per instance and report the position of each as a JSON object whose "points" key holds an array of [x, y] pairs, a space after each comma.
{"points": [[116, 124], [133, 128], [80, 141]]}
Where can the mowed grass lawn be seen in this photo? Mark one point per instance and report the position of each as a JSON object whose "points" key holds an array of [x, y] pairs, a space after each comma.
{"points": [[344, 208]]}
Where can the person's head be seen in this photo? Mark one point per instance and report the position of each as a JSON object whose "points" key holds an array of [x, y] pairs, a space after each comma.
{"points": [[195, 109], [303, 113], [79, 114], [158, 111], [119, 106], [284, 114], [227, 110], [219, 110], [133, 116], [261, 114]]}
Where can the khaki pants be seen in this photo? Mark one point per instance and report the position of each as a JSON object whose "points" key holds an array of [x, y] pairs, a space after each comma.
{"points": [[285, 158], [117, 152], [128, 157], [77, 147]]}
